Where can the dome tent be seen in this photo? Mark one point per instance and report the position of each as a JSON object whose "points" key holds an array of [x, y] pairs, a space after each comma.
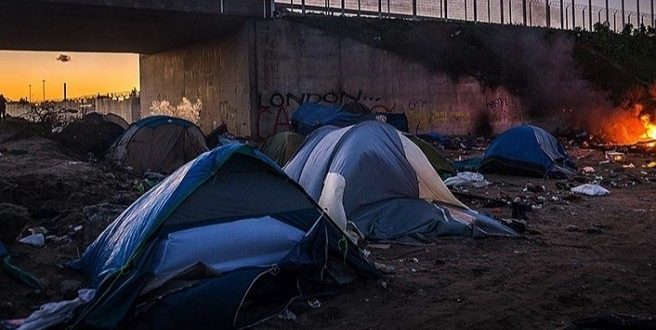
{"points": [[158, 143], [311, 116], [223, 242], [282, 146], [528, 151], [374, 177], [441, 165]]}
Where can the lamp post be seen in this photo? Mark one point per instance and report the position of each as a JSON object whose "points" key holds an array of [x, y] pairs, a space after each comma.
{"points": [[44, 90], [30, 87]]}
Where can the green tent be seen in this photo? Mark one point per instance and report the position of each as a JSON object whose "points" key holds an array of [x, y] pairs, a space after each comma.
{"points": [[440, 164], [282, 146]]}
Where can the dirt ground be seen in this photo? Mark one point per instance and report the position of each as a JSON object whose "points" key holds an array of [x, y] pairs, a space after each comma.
{"points": [[579, 256]]}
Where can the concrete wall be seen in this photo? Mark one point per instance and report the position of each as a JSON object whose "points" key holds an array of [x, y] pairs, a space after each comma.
{"points": [[295, 62], [255, 79], [128, 109], [217, 72]]}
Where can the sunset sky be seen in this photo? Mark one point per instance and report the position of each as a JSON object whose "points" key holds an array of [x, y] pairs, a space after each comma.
{"points": [[85, 74]]}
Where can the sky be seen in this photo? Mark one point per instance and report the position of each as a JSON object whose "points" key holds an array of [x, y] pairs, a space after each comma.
{"points": [[84, 74]]}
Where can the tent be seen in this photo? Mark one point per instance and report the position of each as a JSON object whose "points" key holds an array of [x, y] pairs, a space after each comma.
{"points": [[282, 146], [108, 117], [528, 151], [441, 165], [158, 143], [371, 176], [226, 241], [311, 116]]}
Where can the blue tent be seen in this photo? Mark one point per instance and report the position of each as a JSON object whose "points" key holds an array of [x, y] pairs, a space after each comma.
{"points": [[372, 176], [528, 151], [309, 117], [223, 242]]}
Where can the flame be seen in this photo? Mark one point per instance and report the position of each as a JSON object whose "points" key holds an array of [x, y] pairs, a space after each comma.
{"points": [[650, 128]]}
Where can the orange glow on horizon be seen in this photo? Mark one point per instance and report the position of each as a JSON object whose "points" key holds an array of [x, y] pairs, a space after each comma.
{"points": [[84, 74]]}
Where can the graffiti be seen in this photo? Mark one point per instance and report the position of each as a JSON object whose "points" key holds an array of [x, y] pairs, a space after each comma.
{"points": [[419, 104], [290, 99], [281, 123]]}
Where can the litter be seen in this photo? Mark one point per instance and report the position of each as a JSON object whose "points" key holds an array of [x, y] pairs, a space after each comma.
{"points": [[385, 269], [287, 315], [590, 190], [629, 166], [588, 169], [615, 156], [314, 303], [379, 246], [467, 179], [651, 164], [36, 240], [51, 314]]}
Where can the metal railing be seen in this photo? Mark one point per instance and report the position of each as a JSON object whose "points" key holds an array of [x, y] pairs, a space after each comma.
{"points": [[545, 13]]}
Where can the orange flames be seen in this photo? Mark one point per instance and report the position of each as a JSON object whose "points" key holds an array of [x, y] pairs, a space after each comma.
{"points": [[650, 127]]}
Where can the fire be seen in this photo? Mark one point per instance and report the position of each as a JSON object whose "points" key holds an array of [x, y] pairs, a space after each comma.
{"points": [[650, 127]]}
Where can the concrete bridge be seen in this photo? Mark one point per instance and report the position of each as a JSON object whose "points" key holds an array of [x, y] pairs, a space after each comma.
{"points": [[144, 26]]}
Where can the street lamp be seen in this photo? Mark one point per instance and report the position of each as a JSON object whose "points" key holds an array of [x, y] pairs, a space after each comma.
{"points": [[44, 90]]}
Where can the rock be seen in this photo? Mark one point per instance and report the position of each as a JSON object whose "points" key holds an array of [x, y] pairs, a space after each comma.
{"points": [[12, 220], [534, 188], [98, 217], [572, 228], [68, 287]]}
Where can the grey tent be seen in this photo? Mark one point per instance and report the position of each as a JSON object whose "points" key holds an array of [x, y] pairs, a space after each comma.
{"points": [[158, 143], [282, 146], [372, 176]]}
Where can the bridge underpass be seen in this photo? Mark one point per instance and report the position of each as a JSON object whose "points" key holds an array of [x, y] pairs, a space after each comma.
{"points": [[143, 27]]}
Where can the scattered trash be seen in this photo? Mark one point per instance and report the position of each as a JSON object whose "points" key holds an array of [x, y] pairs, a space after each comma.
{"points": [[36, 240], [604, 162], [385, 269], [590, 190], [52, 314], [38, 230], [57, 130], [615, 156], [467, 179], [629, 166], [287, 315], [314, 303], [572, 228], [588, 169], [379, 246], [651, 164]]}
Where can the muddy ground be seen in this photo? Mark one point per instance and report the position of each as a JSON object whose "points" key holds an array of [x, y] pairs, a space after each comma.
{"points": [[579, 256]]}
